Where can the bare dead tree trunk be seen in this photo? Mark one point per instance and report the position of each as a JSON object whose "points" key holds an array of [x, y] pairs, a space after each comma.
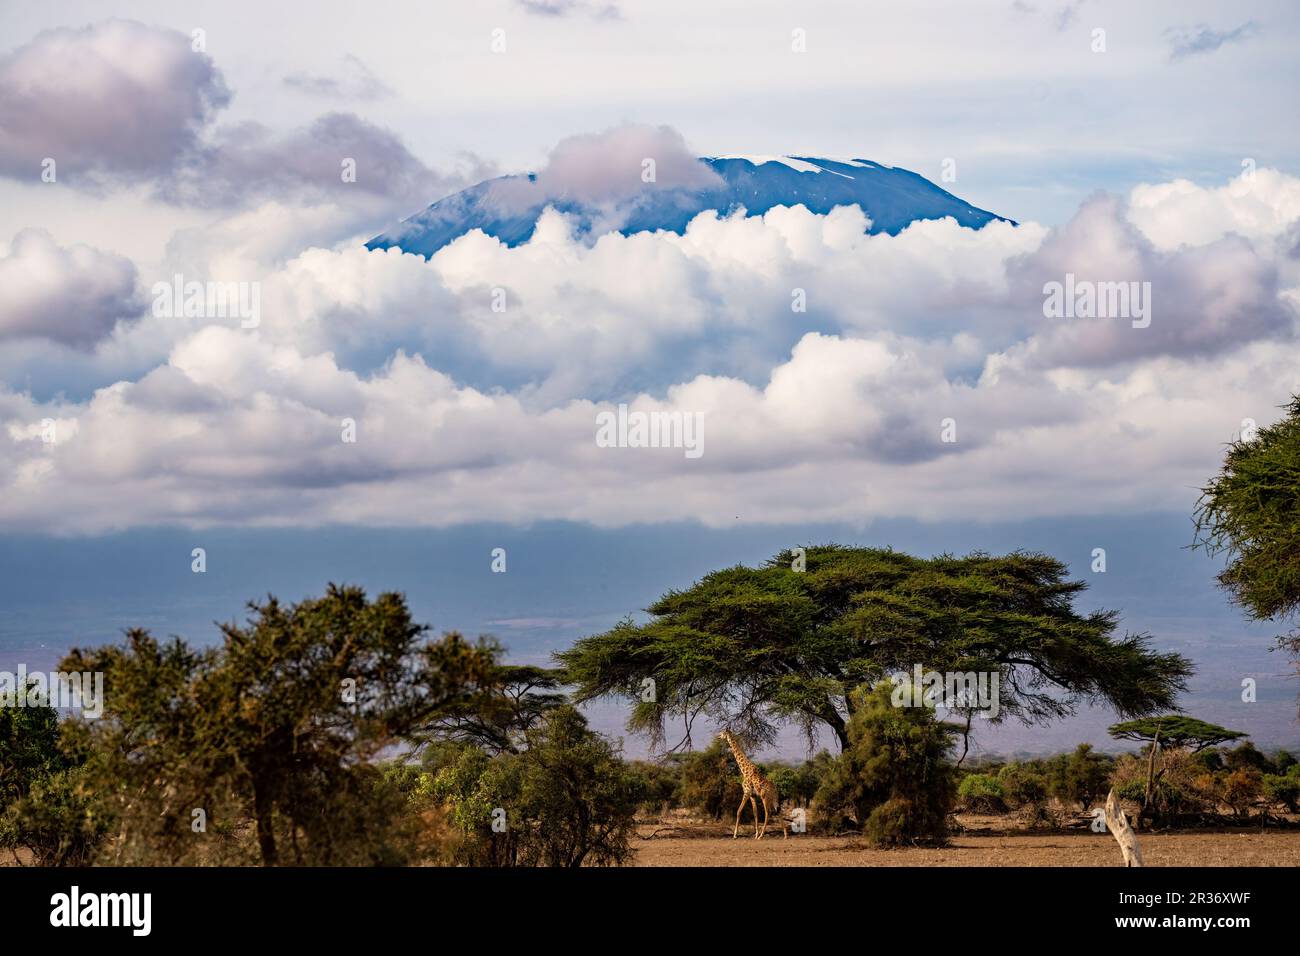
{"points": [[1148, 810], [1117, 824]]}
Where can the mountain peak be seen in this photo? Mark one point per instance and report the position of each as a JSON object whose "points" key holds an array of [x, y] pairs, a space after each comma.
{"points": [[507, 207]]}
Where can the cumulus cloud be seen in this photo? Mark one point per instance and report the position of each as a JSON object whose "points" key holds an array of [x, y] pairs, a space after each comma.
{"points": [[842, 413], [604, 169], [1260, 205], [248, 161], [114, 100], [71, 295], [119, 103], [1195, 300]]}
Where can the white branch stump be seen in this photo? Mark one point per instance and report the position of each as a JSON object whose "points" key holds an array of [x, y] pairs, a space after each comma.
{"points": [[1117, 824]]}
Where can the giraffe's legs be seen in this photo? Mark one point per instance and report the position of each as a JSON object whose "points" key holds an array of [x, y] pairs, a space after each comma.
{"points": [[754, 806], [739, 810], [759, 835]]}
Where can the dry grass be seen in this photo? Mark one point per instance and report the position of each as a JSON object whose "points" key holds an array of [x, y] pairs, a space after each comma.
{"points": [[711, 845]]}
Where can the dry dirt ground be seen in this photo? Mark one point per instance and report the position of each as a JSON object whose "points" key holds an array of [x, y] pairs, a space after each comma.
{"points": [[713, 846]]}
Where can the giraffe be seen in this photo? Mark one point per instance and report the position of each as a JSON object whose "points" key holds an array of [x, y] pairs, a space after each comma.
{"points": [[753, 782]]}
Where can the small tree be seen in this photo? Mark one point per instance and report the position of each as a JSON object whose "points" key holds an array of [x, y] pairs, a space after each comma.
{"points": [[1247, 756], [1241, 788], [567, 800], [277, 725], [1024, 784], [982, 793], [1283, 789], [1084, 777], [45, 806], [895, 779], [1175, 732]]}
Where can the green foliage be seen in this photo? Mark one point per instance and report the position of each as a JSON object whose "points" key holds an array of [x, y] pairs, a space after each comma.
{"points": [[710, 782], [1211, 760], [45, 807], [1250, 511], [660, 782], [753, 648], [1283, 789], [502, 705], [1084, 778], [1133, 790], [1176, 732], [278, 725], [1182, 790], [1023, 785], [1247, 756], [568, 799], [982, 793], [55, 820], [894, 780], [29, 749]]}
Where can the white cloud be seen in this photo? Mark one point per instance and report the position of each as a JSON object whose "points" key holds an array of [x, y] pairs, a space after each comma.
{"points": [[72, 296], [464, 413], [116, 99], [1259, 205], [605, 169], [119, 103]]}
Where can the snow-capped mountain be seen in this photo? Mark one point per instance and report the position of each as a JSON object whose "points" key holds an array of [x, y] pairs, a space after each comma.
{"points": [[507, 207]]}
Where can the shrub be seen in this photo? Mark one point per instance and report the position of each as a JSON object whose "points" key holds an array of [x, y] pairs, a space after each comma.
{"points": [[660, 782], [567, 800], [1283, 789], [45, 805], [1132, 790], [894, 780], [981, 793], [1023, 785], [709, 781], [55, 821], [1246, 756], [1241, 788]]}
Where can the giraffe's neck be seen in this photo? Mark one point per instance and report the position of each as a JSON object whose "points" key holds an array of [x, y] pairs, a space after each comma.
{"points": [[741, 760]]}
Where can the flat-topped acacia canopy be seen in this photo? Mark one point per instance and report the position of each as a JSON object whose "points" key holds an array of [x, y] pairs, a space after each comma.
{"points": [[754, 648]]}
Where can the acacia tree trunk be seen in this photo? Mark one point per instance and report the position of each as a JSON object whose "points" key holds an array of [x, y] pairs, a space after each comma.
{"points": [[1148, 810], [262, 810]]}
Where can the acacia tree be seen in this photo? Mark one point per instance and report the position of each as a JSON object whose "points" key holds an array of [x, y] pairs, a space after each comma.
{"points": [[279, 724], [757, 647], [1250, 513], [1173, 732]]}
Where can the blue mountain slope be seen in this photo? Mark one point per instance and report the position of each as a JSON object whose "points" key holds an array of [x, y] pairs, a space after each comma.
{"points": [[891, 197]]}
